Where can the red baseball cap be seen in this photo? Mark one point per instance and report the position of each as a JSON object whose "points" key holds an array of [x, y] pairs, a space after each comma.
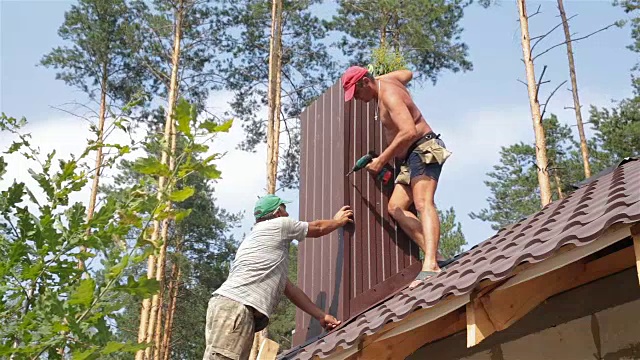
{"points": [[349, 80]]}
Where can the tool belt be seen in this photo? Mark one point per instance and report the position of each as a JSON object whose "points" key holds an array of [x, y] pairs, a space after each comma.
{"points": [[428, 136]]}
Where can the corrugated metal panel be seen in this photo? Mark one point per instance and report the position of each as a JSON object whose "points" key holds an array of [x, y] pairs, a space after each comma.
{"points": [[350, 270]]}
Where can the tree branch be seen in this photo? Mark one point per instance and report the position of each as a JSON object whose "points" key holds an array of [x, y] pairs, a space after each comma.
{"points": [[535, 13], [541, 37], [544, 69], [574, 40], [544, 109]]}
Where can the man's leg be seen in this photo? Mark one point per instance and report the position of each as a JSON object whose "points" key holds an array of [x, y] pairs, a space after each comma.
{"points": [[424, 188], [229, 330], [399, 203]]}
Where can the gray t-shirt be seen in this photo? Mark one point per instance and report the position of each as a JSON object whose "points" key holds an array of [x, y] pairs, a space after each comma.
{"points": [[260, 270]]}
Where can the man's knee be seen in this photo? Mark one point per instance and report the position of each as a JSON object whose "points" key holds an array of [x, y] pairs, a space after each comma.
{"points": [[395, 210], [424, 204]]}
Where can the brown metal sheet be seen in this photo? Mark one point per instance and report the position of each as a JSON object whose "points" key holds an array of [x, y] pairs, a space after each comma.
{"points": [[344, 272], [579, 219]]}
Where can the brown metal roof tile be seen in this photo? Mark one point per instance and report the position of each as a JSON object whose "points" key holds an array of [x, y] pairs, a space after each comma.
{"points": [[612, 198]]}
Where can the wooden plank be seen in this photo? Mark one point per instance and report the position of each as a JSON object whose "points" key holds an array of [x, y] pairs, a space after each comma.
{"points": [[425, 316], [399, 347], [339, 353], [479, 325], [268, 350], [611, 236]]}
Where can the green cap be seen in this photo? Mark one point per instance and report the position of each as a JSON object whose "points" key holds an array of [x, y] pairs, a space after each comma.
{"points": [[267, 204]]}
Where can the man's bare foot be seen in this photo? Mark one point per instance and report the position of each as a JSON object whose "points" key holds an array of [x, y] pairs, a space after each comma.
{"points": [[422, 276]]}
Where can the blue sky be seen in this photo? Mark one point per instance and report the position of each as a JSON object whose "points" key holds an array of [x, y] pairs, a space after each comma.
{"points": [[476, 112]]}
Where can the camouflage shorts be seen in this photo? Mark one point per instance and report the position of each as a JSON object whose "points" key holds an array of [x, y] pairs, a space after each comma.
{"points": [[229, 331], [426, 159]]}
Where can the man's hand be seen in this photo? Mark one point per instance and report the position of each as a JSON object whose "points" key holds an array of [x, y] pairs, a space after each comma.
{"points": [[375, 166], [328, 322], [344, 215]]}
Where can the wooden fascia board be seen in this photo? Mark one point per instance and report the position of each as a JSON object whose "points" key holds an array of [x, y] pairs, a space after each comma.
{"points": [[393, 331], [612, 235], [343, 353], [425, 316]]}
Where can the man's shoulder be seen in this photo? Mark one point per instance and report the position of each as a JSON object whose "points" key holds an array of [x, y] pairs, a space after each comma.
{"points": [[395, 94], [285, 221]]}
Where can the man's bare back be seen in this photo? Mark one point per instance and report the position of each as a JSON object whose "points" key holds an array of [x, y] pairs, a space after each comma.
{"points": [[389, 86]]}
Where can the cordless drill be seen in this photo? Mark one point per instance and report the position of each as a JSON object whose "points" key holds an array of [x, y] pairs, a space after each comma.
{"points": [[385, 175]]}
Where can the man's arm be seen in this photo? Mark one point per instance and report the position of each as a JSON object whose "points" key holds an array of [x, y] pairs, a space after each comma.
{"points": [[401, 117], [404, 76], [302, 301], [320, 228]]}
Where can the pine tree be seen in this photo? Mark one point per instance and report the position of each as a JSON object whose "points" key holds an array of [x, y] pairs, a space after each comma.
{"points": [[514, 188], [427, 33], [617, 130], [99, 62], [452, 238], [307, 70], [633, 7], [179, 39]]}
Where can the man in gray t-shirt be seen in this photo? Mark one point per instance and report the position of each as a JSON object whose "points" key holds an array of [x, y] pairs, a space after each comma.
{"points": [[245, 302]]}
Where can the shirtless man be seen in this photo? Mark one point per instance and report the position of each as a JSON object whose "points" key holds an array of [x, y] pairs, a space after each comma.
{"points": [[414, 145]]}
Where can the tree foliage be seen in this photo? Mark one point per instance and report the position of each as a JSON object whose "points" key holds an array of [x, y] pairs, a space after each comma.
{"points": [[200, 244], [632, 7], [426, 32], [451, 237], [385, 59], [617, 130], [307, 70], [103, 41], [46, 301], [202, 31], [514, 186]]}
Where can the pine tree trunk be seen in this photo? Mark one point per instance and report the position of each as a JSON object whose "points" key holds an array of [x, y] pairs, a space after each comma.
{"points": [[277, 100], [149, 307], [96, 178], [173, 297], [156, 304], [158, 298], [574, 89], [558, 185], [272, 121], [532, 86]]}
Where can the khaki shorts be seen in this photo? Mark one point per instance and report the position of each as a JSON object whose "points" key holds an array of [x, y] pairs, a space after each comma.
{"points": [[229, 331], [426, 159]]}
